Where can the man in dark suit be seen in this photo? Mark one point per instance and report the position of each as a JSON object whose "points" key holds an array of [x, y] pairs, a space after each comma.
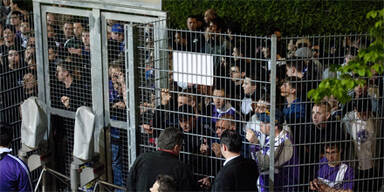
{"points": [[237, 174], [165, 160]]}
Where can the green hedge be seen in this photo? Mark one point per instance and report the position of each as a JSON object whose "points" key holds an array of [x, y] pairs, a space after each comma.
{"points": [[292, 17]]}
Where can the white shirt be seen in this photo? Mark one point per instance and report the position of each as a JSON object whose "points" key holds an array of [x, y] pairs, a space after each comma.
{"points": [[4, 150], [229, 159]]}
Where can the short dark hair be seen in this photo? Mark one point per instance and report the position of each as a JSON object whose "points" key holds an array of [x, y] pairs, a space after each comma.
{"points": [[295, 83], [166, 183], [169, 138], [5, 134], [232, 140], [337, 145], [17, 13]]}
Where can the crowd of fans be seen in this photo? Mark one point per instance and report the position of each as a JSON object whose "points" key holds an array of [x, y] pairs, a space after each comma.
{"points": [[17, 60], [314, 143]]}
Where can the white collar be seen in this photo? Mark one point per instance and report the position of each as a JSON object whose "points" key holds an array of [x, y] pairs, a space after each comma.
{"points": [[5, 150], [227, 160]]}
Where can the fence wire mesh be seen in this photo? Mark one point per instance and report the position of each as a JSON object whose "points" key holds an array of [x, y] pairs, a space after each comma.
{"points": [[69, 61], [18, 79], [205, 83], [214, 81]]}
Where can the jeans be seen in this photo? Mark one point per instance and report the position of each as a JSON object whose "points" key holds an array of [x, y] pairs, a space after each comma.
{"points": [[116, 162]]}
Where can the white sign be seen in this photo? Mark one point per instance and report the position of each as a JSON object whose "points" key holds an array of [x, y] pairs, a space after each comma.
{"points": [[194, 68]]}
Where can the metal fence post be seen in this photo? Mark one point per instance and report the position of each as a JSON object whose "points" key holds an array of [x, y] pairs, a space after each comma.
{"points": [[130, 41], [97, 74], [160, 57], [272, 114]]}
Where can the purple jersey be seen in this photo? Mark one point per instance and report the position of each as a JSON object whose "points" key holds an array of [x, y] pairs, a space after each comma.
{"points": [[286, 174], [217, 113], [14, 174], [339, 177]]}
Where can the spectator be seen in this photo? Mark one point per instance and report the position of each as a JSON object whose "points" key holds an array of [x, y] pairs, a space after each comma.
{"points": [[209, 15], [5, 9], [11, 80], [286, 173], [15, 8], [30, 58], [164, 183], [25, 32], [235, 89], [163, 118], [86, 48], [73, 45], [294, 110], [15, 20], [194, 132], [53, 56], [14, 59], [9, 40], [117, 107], [14, 173], [297, 69], [116, 42], [324, 128], [361, 126], [237, 173], [29, 85], [254, 78], [117, 34], [73, 94], [180, 43], [216, 43], [195, 39], [116, 86], [163, 161], [220, 107], [333, 175], [360, 91], [67, 33], [52, 21], [52, 38], [252, 128], [335, 106]]}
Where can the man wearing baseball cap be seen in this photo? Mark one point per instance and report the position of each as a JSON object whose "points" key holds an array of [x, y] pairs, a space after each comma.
{"points": [[285, 155]]}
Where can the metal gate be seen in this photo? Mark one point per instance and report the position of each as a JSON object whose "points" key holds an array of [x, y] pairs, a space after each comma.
{"points": [[82, 62]]}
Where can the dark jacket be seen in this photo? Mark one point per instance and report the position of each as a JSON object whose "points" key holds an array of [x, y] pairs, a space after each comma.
{"points": [[238, 174], [149, 165]]}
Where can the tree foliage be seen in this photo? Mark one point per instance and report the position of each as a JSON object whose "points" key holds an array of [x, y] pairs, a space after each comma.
{"points": [[368, 60], [292, 17]]}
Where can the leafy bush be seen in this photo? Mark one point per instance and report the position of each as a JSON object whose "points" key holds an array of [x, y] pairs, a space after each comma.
{"points": [[293, 17]]}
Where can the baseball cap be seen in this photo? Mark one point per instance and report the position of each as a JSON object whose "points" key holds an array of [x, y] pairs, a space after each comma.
{"points": [[304, 52], [117, 28], [265, 117]]}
